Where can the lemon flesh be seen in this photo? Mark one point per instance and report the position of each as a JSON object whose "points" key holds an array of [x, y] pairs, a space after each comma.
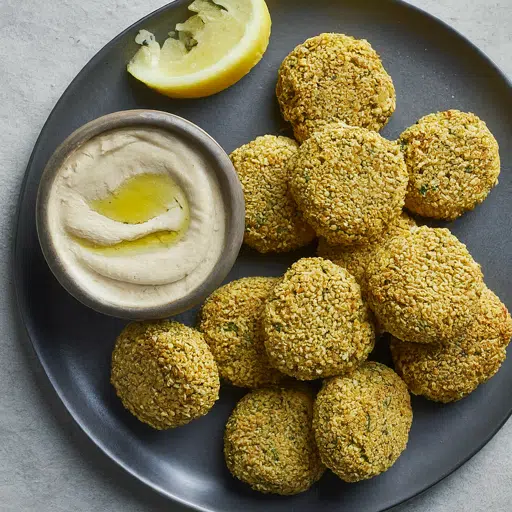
{"points": [[210, 51]]}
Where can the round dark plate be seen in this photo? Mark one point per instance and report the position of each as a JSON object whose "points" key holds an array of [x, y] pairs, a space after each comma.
{"points": [[433, 68]]}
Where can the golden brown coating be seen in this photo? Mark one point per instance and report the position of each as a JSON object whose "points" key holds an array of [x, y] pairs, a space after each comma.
{"points": [[164, 373], [331, 78], [269, 443], [449, 372], [272, 220], [424, 286], [356, 258], [231, 323], [362, 422], [453, 162], [316, 323], [349, 183]]}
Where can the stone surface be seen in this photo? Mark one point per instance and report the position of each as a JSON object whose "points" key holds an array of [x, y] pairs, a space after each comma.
{"points": [[46, 464]]}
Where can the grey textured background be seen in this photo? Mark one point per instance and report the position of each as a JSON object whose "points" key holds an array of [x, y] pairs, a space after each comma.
{"points": [[45, 463]]}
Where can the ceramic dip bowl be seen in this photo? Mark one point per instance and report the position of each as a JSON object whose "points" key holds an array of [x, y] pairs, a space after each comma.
{"points": [[140, 214]]}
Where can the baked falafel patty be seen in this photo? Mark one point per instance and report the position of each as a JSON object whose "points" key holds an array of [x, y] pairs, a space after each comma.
{"points": [[269, 442], [424, 286], [272, 220], [449, 372], [362, 422], [453, 162], [315, 321], [349, 183], [231, 323], [164, 373], [331, 78], [355, 258]]}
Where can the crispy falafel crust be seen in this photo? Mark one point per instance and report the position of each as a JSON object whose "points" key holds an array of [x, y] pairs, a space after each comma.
{"points": [[230, 320], [316, 323], [424, 286], [349, 183], [272, 220], [362, 422], [164, 373], [355, 258], [453, 162], [334, 77], [269, 442], [446, 373]]}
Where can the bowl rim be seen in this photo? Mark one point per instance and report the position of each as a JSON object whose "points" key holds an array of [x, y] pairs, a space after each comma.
{"points": [[220, 164]]}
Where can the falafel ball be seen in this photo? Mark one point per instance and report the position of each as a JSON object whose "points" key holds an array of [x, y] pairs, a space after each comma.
{"points": [[446, 373], [453, 161], [424, 286], [269, 442], [349, 183], [164, 373], [355, 258], [316, 323], [331, 78], [362, 422], [272, 220], [231, 323]]}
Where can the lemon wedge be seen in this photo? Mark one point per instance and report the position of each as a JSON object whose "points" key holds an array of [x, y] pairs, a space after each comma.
{"points": [[210, 51]]}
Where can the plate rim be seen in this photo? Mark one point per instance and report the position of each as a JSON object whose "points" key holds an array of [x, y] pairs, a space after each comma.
{"points": [[16, 269]]}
